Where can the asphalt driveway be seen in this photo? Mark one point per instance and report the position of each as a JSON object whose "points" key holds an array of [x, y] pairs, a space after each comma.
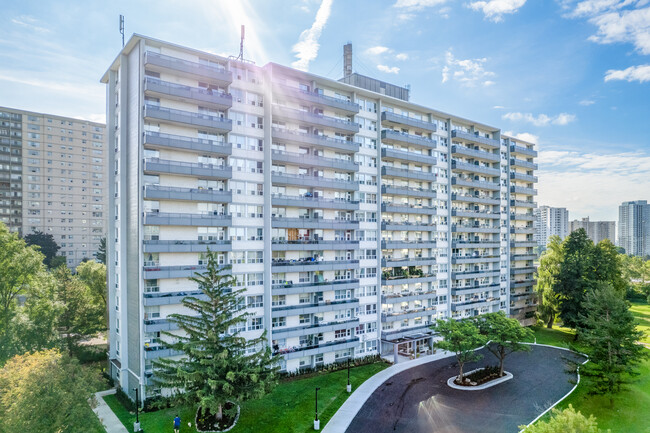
{"points": [[418, 400]]}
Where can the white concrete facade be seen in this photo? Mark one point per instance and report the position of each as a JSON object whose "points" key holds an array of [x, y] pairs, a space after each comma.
{"points": [[551, 221], [352, 218]]}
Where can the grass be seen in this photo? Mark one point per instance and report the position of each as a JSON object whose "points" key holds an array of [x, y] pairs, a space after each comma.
{"points": [[641, 312], [288, 408], [629, 413]]}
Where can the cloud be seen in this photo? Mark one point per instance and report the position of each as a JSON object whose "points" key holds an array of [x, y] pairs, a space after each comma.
{"points": [[405, 17], [402, 56], [498, 107], [541, 119], [591, 184], [495, 9], [388, 69], [444, 12], [469, 72], [524, 136], [587, 102], [375, 51], [639, 73], [307, 47], [30, 23], [414, 5]]}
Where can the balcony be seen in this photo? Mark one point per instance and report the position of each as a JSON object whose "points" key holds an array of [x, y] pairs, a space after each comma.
{"points": [[408, 174], [403, 155], [522, 283], [522, 150], [475, 199], [525, 270], [492, 186], [390, 135], [523, 244], [408, 261], [157, 140], [193, 95], [410, 209], [195, 69], [475, 273], [316, 328], [475, 243], [317, 349], [475, 258], [171, 298], [522, 217], [474, 304], [398, 119], [312, 308], [522, 230], [313, 202], [310, 264], [462, 228], [475, 138], [315, 139], [312, 244], [305, 160], [314, 223], [305, 180], [158, 192], [522, 203], [407, 296], [409, 191], [524, 177], [341, 125], [474, 168], [187, 219], [164, 166], [182, 271], [468, 213], [474, 153], [296, 94], [518, 257], [523, 190], [397, 244], [403, 279], [289, 288], [479, 288], [185, 246], [415, 226], [185, 118], [521, 163], [407, 314]]}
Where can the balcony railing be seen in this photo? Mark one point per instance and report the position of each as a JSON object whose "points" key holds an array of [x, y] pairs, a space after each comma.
{"points": [[401, 119], [211, 71], [315, 139], [475, 138], [187, 143], [188, 117], [207, 96]]}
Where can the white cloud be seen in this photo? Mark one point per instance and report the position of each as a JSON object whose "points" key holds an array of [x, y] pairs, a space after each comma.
{"points": [[495, 9], [541, 119], [444, 12], [405, 17], [591, 184], [469, 72], [307, 47], [388, 69], [524, 136], [402, 56], [30, 23], [415, 5], [639, 73], [375, 51], [587, 102], [498, 107]]}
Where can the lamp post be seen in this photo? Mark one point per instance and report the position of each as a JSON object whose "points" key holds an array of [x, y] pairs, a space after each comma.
{"points": [[349, 388], [136, 424], [316, 420]]}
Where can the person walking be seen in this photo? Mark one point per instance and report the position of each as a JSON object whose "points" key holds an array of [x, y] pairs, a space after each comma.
{"points": [[177, 424]]}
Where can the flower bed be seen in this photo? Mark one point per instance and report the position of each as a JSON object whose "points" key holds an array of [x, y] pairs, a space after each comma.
{"points": [[480, 378]]}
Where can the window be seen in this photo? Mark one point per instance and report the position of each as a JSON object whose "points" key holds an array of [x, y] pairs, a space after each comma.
{"points": [[255, 301], [255, 323]]}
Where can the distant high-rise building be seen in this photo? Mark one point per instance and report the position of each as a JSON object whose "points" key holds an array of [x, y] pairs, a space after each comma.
{"points": [[550, 221], [53, 179], [596, 230], [634, 227]]}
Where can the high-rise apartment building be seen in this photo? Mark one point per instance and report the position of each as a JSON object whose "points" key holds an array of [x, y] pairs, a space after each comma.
{"points": [[550, 221], [53, 178], [596, 230], [352, 216], [634, 227]]}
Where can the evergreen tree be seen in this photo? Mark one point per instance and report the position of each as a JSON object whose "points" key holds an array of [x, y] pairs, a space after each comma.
{"points": [[47, 244], [219, 365], [609, 332], [101, 252]]}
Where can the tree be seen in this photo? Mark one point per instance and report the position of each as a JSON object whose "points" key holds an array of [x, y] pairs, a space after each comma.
{"points": [[80, 317], [219, 364], [47, 244], [45, 392], [608, 266], [505, 335], [609, 332], [101, 252], [565, 421], [547, 280], [461, 337], [19, 266], [93, 275]]}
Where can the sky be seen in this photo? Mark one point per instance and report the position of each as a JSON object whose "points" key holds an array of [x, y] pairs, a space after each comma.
{"points": [[573, 76]]}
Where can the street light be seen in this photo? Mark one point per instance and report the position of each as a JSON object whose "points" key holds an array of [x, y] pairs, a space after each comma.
{"points": [[136, 424], [316, 420], [349, 388]]}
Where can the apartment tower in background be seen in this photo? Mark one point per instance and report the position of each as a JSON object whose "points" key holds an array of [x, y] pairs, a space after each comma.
{"points": [[596, 230], [53, 179], [352, 216], [550, 221], [634, 227]]}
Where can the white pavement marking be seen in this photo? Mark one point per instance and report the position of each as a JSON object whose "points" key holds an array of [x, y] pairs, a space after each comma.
{"points": [[109, 420], [343, 417]]}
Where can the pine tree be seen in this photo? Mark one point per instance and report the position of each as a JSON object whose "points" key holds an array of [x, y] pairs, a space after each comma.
{"points": [[218, 364]]}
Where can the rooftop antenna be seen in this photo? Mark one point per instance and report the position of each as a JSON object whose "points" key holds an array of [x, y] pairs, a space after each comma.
{"points": [[241, 44], [122, 28], [347, 59]]}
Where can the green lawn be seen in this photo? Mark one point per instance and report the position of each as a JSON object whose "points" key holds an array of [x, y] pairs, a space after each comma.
{"points": [[631, 411], [641, 312], [289, 408]]}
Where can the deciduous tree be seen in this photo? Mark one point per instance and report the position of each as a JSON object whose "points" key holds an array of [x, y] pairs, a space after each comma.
{"points": [[547, 280], [46, 243], [93, 275], [461, 337], [564, 421]]}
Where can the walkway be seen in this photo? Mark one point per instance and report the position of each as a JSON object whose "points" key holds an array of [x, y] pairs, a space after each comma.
{"points": [[109, 420]]}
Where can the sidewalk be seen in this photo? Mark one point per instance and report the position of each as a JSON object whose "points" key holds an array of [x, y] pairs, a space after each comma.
{"points": [[344, 416], [109, 420]]}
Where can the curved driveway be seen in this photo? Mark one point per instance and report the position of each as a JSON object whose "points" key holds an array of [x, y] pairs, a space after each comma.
{"points": [[419, 400]]}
